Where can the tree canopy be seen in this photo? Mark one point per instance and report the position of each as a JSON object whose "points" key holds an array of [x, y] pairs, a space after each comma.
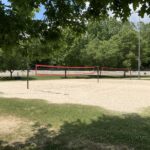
{"points": [[17, 19], [105, 41]]}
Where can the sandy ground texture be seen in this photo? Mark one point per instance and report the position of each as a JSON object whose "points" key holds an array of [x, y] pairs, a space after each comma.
{"points": [[113, 94], [18, 129], [8, 128]]}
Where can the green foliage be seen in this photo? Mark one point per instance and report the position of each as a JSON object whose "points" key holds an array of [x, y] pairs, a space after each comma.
{"points": [[128, 45], [18, 16], [11, 60], [103, 53], [95, 47], [104, 29], [130, 60], [145, 38], [106, 43]]}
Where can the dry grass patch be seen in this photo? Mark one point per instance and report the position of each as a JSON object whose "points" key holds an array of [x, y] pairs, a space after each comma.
{"points": [[15, 129]]}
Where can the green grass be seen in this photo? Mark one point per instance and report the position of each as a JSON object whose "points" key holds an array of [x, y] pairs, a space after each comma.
{"points": [[54, 114], [30, 78], [69, 77], [80, 127]]}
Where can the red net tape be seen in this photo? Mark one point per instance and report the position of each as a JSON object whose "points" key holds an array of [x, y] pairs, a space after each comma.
{"points": [[65, 67], [82, 72]]}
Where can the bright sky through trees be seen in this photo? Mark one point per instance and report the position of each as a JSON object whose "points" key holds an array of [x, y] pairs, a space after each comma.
{"points": [[134, 17]]}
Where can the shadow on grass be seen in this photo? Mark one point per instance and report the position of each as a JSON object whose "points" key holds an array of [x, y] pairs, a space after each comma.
{"points": [[15, 78], [127, 132], [62, 77]]}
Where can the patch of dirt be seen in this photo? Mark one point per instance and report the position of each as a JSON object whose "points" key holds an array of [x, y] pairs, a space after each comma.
{"points": [[14, 129], [8, 125]]}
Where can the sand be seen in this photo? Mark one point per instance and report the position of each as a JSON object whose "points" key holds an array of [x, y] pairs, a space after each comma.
{"points": [[123, 95], [6, 127]]}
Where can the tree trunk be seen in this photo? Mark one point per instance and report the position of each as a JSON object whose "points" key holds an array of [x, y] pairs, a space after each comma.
{"points": [[28, 77]]}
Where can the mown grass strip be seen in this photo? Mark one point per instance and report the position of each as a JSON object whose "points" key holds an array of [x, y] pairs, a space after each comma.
{"points": [[43, 112]]}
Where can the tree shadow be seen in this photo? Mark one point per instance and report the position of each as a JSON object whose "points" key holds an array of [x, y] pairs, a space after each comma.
{"points": [[19, 78], [126, 132], [6, 78]]}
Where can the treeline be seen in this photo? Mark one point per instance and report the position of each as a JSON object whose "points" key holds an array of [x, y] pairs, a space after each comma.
{"points": [[104, 43]]}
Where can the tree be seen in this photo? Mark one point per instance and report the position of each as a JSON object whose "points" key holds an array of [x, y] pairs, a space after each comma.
{"points": [[103, 29], [18, 16], [71, 10], [127, 41], [100, 49], [103, 53], [145, 44], [11, 60]]}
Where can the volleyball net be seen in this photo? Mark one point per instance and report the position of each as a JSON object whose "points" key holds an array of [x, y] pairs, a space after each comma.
{"points": [[47, 70], [110, 71], [66, 71]]}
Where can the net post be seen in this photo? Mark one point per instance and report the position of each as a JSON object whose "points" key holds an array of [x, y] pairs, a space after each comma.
{"points": [[27, 78], [65, 73], [36, 70], [27, 63], [100, 71], [124, 73], [130, 73], [97, 74]]}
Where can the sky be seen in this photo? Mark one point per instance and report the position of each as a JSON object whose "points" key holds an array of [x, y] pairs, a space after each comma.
{"points": [[133, 18]]}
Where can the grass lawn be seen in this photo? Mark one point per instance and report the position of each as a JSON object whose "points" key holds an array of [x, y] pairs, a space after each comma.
{"points": [[7, 78], [69, 77], [72, 127]]}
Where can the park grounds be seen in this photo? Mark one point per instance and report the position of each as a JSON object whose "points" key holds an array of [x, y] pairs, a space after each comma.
{"points": [[75, 113], [112, 92]]}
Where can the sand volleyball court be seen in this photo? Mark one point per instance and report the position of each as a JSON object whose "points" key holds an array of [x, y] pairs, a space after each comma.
{"points": [[114, 94]]}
